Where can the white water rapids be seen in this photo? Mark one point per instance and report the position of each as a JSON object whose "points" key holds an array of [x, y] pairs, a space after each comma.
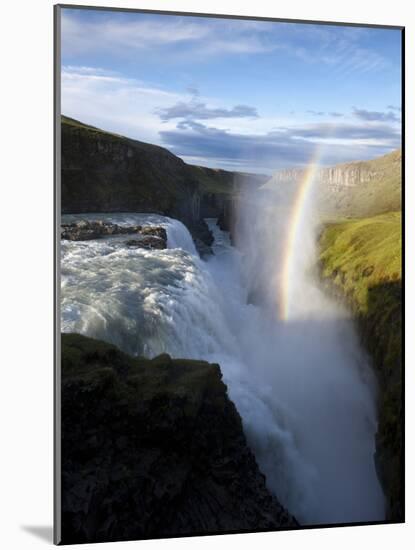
{"points": [[303, 390]]}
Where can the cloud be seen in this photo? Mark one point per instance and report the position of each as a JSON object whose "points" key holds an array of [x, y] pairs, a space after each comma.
{"points": [[115, 103], [283, 147], [120, 32], [84, 70], [377, 116], [316, 113], [132, 108], [394, 108], [125, 35], [90, 74], [193, 90], [342, 50], [199, 111], [336, 115], [383, 133], [356, 59]]}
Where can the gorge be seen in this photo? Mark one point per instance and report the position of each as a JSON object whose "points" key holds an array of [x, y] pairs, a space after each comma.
{"points": [[302, 383]]}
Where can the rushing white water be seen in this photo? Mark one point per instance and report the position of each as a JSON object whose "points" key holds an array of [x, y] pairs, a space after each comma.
{"points": [[303, 389]]}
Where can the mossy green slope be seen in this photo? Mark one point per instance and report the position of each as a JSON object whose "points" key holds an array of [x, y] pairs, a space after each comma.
{"points": [[360, 254], [361, 260]]}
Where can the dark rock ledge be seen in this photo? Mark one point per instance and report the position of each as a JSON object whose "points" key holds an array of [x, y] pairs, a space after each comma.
{"points": [[154, 448], [150, 237]]}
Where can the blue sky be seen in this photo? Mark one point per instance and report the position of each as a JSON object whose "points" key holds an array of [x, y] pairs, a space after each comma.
{"points": [[234, 94]]}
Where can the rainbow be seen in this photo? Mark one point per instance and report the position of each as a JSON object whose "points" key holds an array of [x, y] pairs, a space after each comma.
{"points": [[292, 239]]}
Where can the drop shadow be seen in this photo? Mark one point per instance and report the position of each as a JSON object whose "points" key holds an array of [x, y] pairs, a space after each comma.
{"points": [[43, 532]]}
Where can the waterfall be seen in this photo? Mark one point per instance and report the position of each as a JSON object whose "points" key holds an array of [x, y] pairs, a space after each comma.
{"points": [[303, 390]]}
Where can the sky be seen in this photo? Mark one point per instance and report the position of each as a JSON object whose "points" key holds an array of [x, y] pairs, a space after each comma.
{"points": [[246, 95]]}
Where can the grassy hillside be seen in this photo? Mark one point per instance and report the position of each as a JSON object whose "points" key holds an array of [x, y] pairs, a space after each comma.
{"points": [[359, 254], [71, 123], [361, 260]]}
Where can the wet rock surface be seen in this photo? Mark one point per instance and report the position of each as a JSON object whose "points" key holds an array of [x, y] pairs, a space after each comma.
{"points": [[154, 448], [150, 237], [202, 237], [150, 243]]}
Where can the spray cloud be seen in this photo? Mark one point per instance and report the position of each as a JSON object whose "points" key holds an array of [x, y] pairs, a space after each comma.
{"points": [[309, 357]]}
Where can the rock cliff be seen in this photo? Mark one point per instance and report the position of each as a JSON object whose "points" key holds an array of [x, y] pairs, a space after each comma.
{"points": [[154, 448], [105, 172], [355, 189], [341, 175]]}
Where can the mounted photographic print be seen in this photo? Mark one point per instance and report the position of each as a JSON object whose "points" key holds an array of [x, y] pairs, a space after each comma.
{"points": [[228, 274]]}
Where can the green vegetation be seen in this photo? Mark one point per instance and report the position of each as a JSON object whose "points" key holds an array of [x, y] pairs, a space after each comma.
{"points": [[214, 181], [361, 261], [360, 254], [77, 124], [69, 123]]}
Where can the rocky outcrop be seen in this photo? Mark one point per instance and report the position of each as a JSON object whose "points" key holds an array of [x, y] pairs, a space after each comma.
{"points": [[154, 448], [203, 238], [145, 236], [88, 230], [149, 243], [227, 220]]}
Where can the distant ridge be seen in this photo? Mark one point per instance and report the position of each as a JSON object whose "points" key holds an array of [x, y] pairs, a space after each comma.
{"points": [[358, 188]]}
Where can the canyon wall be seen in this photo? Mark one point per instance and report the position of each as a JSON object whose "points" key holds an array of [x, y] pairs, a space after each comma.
{"points": [[105, 172], [355, 189]]}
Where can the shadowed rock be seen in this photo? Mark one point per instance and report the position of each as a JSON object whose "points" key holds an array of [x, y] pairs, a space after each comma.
{"points": [[154, 448]]}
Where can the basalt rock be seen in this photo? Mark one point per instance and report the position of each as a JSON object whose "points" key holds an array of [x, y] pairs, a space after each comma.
{"points": [[88, 230], [354, 189], [149, 243], [147, 236], [202, 237], [154, 231], [154, 448]]}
